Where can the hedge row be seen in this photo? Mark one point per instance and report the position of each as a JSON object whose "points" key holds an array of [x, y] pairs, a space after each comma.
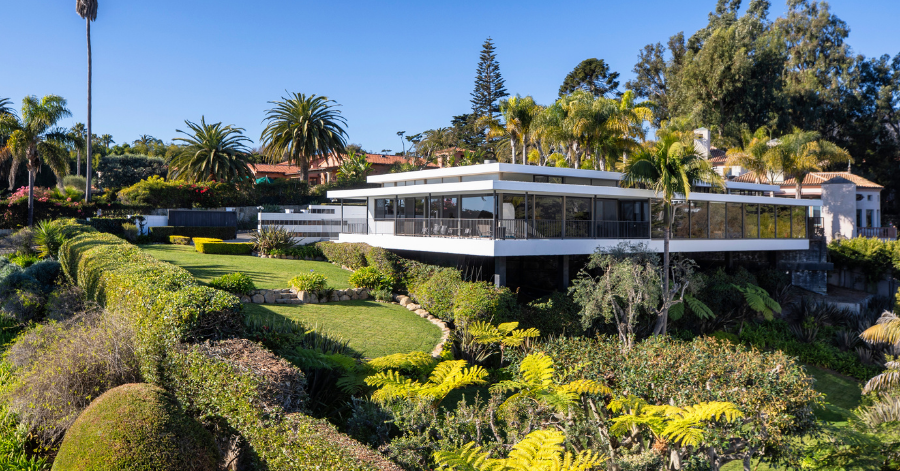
{"points": [[170, 312], [200, 242], [440, 291], [873, 257], [162, 233], [225, 248]]}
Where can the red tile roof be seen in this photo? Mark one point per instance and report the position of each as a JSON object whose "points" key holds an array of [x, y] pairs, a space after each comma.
{"points": [[716, 156], [813, 179], [331, 161], [283, 167]]}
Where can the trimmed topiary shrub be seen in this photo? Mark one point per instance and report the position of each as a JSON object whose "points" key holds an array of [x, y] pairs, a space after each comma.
{"points": [[199, 242], [226, 248], [311, 282], [234, 283], [179, 240], [481, 301], [371, 278], [162, 233], [136, 426]]}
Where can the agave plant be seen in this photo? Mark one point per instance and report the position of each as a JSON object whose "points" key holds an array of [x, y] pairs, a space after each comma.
{"points": [[271, 238], [48, 238]]}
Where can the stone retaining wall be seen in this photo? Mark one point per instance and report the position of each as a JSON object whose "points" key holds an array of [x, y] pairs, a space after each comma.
{"points": [[292, 296], [406, 302]]}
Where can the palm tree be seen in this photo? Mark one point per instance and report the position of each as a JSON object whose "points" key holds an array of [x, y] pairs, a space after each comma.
{"points": [[76, 137], [34, 139], [6, 106], [87, 10], [212, 152], [518, 115], [303, 126], [106, 140], [755, 155], [669, 167], [802, 152]]}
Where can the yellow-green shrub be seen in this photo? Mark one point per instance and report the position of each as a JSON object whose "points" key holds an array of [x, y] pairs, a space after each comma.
{"points": [[225, 248], [179, 240], [199, 242]]}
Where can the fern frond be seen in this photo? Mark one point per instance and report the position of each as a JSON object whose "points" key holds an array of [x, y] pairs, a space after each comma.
{"points": [[467, 458], [517, 337], [585, 386], [417, 361], [507, 327], [886, 381], [700, 309], [352, 382], [537, 369], [887, 330], [676, 311]]}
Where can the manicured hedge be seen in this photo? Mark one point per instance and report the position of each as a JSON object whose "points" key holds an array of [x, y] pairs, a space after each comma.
{"points": [[226, 248], [162, 233], [179, 240], [110, 225], [169, 312], [199, 242]]}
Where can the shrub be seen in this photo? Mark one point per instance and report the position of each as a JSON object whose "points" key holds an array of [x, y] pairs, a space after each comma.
{"points": [[64, 303], [48, 238], [162, 233], [199, 242], [557, 314], [371, 278], [311, 282], [437, 293], [481, 301], [382, 294], [60, 367], [75, 181], [234, 283], [130, 232], [119, 171], [19, 242], [179, 240], [350, 255], [226, 248], [22, 306], [25, 260], [871, 256], [271, 238], [136, 426], [110, 225]]}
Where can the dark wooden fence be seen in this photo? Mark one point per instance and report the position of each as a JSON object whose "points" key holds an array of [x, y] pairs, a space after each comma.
{"points": [[202, 218]]}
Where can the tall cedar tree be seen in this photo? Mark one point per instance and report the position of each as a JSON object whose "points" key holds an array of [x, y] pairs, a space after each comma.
{"points": [[593, 76], [489, 85]]}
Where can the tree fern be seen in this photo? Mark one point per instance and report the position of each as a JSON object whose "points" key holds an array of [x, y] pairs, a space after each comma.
{"points": [[445, 377], [886, 381], [506, 334], [540, 450], [683, 426], [536, 383], [414, 362], [886, 330], [759, 300]]}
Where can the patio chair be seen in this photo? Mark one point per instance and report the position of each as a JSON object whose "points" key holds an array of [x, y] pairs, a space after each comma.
{"points": [[443, 230]]}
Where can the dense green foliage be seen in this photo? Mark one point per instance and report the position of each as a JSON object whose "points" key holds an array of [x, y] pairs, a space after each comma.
{"points": [[159, 193], [162, 233], [215, 246], [481, 301], [369, 277], [437, 293], [120, 171], [211, 152], [311, 282], [234, 283], [305, 252], [870, 256], [139, 427]]}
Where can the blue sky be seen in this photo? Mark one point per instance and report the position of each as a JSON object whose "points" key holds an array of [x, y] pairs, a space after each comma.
{"points": [[391, 65]]}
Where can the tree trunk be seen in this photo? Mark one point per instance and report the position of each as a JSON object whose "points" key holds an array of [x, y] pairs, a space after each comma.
{"points": [[799, 189], [524, 152], [87, 189], [662, 320], [512, 148], [78, 161], [30, 196]]}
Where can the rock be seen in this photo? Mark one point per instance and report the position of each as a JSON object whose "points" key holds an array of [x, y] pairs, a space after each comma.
{"points": [[281, 301], [258, 299], [269, 297], [313, 298], [353, 295], [345, 298], [413, 307], [296, 301], [404, 301], [364, 295], [303, 296], [245, 299], [421, 312]]}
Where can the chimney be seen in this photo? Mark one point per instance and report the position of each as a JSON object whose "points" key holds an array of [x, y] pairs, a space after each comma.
{"points": [[701, 141]]}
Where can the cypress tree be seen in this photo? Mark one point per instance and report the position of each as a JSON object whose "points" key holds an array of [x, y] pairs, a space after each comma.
{"points": [[489, 84]]}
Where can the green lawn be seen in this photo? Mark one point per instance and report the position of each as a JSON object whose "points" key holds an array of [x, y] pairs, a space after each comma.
{"points": [[373, 329], [266, 272]]}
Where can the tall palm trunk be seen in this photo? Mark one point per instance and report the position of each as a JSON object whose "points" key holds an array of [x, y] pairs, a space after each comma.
{"points": [[663, 319], [524, 151], [77, 160], [87, 189], [30, 197], [512, 147], [799, 189]]}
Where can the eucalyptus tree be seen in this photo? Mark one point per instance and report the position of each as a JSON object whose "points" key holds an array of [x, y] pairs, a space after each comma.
{"points": [[34, 139], [87, 10], [669, 168], [303, 126], [211, 152]]}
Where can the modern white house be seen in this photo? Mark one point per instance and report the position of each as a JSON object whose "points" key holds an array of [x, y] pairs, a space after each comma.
{"points": [[524, 218], [315, 223]]}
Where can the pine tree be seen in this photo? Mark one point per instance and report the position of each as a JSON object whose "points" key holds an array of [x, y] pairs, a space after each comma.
{"points": [[489, 84]]}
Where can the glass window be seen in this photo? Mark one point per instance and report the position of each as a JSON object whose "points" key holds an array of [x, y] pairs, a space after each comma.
{"points": [[766, 221], [401, 207], [681, 220], [633, 210], [434, 209], [547, 179], [798, 222], [478, 178], [578, 181], [716, 220], [449, 207], [657, 219], [478, 207], [384, 208], [751, 219], [513, 207], [516, 177], [859, 218], [578, 209], [450, 180], [601, 182], [607, 210], [548, 207], [783, 222], [433, 180], [870, 220], [387, 184], [699, 220]]}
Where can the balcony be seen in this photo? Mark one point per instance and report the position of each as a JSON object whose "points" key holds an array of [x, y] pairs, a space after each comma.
{"points": [[500, 229], [883, 233]]}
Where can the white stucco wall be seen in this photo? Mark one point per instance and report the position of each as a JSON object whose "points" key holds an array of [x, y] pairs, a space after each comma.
{"points": [[870, 201], [839, 210]]}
